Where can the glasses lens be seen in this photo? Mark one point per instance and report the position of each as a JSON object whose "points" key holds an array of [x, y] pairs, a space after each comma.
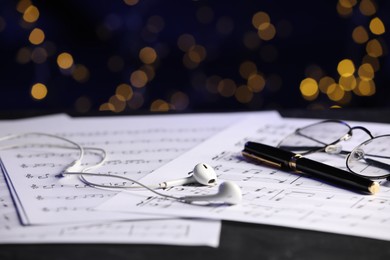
{"points": [[315, 137], [371, 158]]}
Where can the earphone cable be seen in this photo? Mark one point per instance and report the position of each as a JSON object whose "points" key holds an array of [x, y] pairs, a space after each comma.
{"points": [[14, 136], [118, 187]]}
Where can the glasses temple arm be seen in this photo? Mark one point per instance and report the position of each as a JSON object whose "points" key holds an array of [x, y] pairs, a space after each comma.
{"points": [[310, 149], [364, 130]]}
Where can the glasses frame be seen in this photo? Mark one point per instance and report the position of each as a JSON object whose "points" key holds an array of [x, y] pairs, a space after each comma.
{"points": [[345, 137]]}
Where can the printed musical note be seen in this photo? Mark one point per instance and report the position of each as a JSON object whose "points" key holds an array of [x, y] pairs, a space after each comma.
{"points": [[134, 148], [123, 139], [270, 196]]}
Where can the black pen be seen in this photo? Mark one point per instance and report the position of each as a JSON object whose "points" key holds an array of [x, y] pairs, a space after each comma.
{"points": [[286, 160]]}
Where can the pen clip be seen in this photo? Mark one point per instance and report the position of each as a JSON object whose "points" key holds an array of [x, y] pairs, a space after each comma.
{"points": [[261, 160]]}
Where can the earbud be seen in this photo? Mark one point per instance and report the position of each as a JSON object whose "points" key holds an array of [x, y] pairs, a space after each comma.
{"points": [[203, 174], [228, 192]]}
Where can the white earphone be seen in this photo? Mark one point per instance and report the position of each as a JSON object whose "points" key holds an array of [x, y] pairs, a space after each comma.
{"points": [[202, 174], [228, 192]]}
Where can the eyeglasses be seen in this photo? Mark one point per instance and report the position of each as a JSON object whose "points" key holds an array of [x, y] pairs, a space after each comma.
{"points": [[370, 159]]}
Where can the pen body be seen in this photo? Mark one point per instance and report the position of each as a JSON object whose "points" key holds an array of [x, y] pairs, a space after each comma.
{"points": [[287, 160], [334, 175]]}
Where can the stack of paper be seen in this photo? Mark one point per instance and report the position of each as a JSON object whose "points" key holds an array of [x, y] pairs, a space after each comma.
{"points": [[153, 149], [39, 207]]}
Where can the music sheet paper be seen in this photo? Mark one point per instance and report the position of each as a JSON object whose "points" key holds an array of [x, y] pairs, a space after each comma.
{"points": [[135, 145], [270, 196], [168, 231], [161, 231]]}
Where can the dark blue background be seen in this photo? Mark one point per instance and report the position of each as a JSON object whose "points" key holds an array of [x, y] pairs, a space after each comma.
{"points": [[319, 36]]}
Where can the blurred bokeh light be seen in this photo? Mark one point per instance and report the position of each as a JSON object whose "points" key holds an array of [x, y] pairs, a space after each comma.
{"points": [[193, 55]]}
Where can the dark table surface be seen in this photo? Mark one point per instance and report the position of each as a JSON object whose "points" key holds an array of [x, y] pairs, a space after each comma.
{"points": [[238, 240]]}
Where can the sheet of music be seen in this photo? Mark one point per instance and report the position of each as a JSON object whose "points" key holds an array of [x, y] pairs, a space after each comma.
{"points": [[163, 231], [270, 196], [135, 146]]}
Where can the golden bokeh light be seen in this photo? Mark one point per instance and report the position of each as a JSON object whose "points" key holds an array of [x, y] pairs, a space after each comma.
{"points": [[335, 92], [264, 26], [261, 20], [124, 92], [38, 91], [243, 94], [374, 48], [80, 73], [23, 5], [367, 7], [365, 88], [360, 35], [226, 87], [247, 68], [131, 2], [106, 107], [149, 70], [376, 26], [348, 3], [148, 55], [347, 83], [180, 100], [256, 83], [325, 83], [366, 71], [346, 68], [138, 78], [355, 74], [65, 60], [117, 105], [185, 42], [136, 102], [343, 10], [309, 89], [197, 53], [267, 33], [37, 36], [159, 105], [31, 14]]}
